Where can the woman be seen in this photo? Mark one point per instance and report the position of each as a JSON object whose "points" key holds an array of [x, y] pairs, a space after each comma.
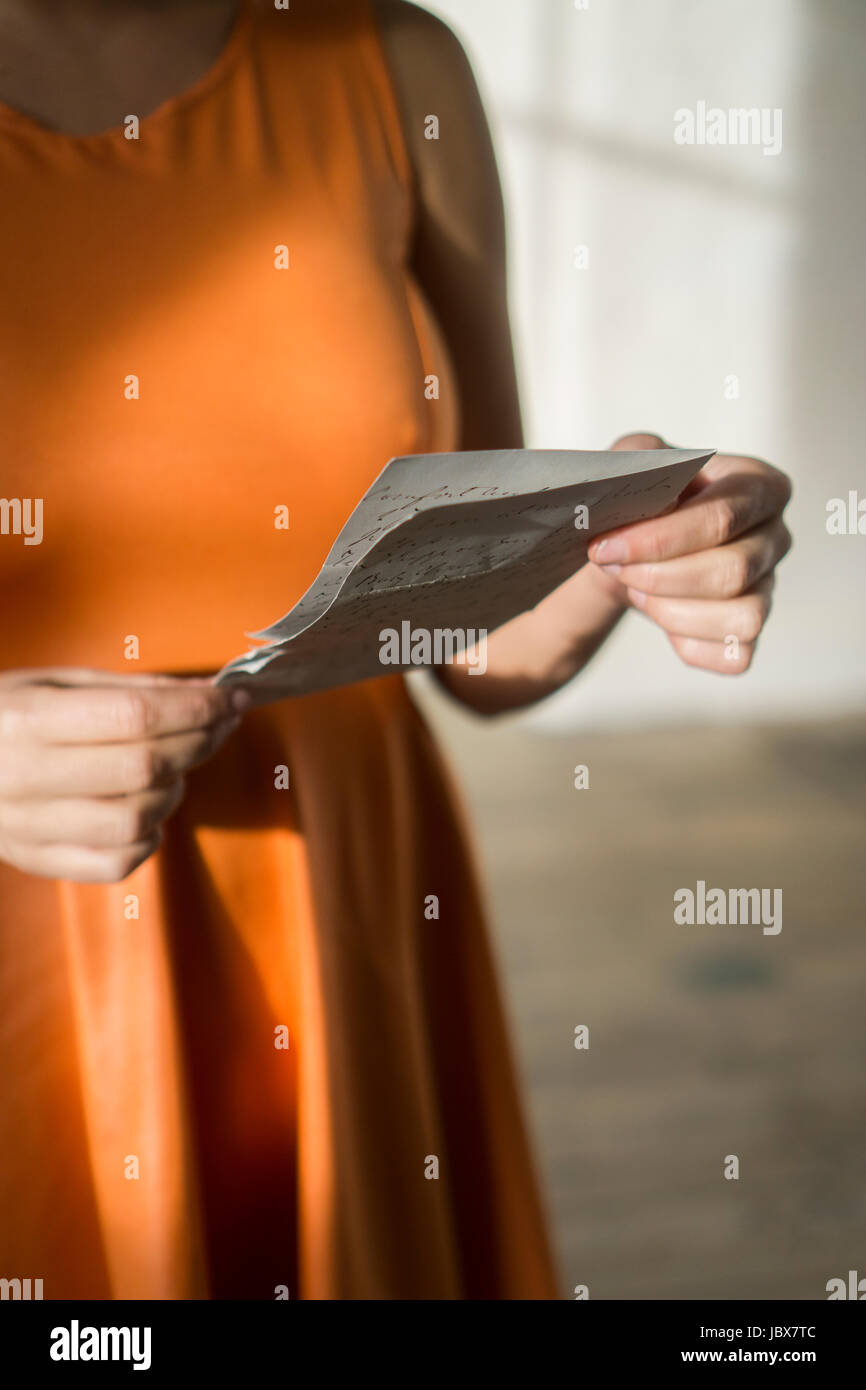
{"points": [[242, 1057]]}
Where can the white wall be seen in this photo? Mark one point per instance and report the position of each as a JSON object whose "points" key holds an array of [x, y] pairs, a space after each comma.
{"points": [[704, 261]]}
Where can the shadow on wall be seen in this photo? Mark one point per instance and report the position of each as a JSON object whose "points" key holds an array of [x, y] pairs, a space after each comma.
{"points": [[703, 262]]}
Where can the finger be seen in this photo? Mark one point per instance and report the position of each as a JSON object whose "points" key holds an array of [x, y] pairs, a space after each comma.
{"points": [[635, 442], [87, 675], [108, 769], [724, 572], [724, 659], [119, 714], [717, 513], [764, 477], [78, 863], [97, 823], [708, 619]]}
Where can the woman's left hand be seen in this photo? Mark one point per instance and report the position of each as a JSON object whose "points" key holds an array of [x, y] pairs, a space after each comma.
{"points": [[705, 571]]}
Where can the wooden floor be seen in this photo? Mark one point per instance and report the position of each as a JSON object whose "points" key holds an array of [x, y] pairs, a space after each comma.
{"points": [[704, 1041]]}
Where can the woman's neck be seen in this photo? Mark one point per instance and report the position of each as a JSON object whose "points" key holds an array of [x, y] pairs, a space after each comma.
{"points": [[82, 66]]}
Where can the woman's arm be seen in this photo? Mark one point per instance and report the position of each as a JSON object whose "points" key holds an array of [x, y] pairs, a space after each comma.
{"points": [[704, 572]]}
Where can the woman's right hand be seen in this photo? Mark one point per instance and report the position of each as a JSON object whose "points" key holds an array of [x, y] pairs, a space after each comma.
{"points": [[91, 764]]}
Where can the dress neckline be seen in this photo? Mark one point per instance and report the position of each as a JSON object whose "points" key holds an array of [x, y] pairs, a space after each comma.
{"points": [[220, 68]]}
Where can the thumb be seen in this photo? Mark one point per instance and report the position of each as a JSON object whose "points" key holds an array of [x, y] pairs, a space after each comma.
{"points": [[641, 441]]}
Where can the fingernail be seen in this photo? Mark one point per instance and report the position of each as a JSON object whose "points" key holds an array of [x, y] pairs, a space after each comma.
{"points": [[611, 569], [241, 699], [611, 550], [637, 598]]}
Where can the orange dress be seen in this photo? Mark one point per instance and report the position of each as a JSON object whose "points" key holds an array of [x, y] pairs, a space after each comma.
{"points": [[169, 376]]}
